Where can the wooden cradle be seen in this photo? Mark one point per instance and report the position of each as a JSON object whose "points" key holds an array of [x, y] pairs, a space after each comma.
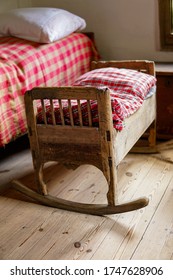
{"points": [[101, 146]]}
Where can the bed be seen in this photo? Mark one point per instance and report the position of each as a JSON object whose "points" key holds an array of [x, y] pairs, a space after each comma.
{"points": [[99, 144], [27, 61]]}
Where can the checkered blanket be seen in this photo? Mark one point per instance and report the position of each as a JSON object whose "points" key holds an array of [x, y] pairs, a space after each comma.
{"points": [[25, 64], [128, 89]]}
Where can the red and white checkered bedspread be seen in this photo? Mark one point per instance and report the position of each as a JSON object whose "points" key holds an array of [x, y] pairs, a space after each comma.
{"points": [[25, 64]]}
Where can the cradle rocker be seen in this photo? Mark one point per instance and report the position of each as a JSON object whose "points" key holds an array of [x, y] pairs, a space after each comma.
{"points": [[74, 145]]}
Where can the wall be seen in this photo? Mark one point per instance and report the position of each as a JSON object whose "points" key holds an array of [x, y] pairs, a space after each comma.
{"points": [[6, 5], [24, 3], [124, 29]]}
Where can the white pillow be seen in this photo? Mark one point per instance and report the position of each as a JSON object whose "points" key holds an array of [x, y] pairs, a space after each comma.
{"points": [[43, 25]]}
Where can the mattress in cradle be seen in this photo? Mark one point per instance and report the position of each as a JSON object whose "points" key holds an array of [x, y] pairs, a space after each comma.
{"points": [[128, 90]]}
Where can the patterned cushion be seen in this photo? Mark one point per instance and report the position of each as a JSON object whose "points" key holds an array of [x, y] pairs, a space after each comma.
{"points": [[120, 81], [128, 89]]}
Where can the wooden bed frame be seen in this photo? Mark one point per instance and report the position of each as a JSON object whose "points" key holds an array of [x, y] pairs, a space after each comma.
{"points": [[101, 146]]}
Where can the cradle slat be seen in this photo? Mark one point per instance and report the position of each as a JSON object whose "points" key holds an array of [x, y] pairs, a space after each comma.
{"points": [[70, 112], [61, 112], [52, 112], [43, 111], [89, 113], [80, 113]]}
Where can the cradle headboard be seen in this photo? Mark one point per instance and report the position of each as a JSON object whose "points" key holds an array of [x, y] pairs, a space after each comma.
{"points": [[140, 65]]}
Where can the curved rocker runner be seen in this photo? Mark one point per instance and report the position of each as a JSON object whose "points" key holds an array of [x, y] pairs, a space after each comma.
{"points": [[93, 209]]}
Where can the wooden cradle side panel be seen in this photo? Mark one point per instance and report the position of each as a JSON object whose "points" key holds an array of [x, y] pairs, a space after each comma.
{"points": [[135, 126], [70, 144]]}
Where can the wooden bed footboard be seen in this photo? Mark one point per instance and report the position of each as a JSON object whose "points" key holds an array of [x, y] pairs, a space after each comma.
{"points": [[73, 145]]}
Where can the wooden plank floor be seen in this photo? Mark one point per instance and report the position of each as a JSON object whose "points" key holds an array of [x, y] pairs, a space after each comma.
{"points": [[32, 231]]}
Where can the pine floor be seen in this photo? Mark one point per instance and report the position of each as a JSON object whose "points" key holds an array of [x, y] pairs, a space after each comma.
{"points": [[35, 232]]}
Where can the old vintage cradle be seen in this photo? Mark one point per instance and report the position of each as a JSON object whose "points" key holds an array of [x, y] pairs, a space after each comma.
{"points": [[101, 146]]}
